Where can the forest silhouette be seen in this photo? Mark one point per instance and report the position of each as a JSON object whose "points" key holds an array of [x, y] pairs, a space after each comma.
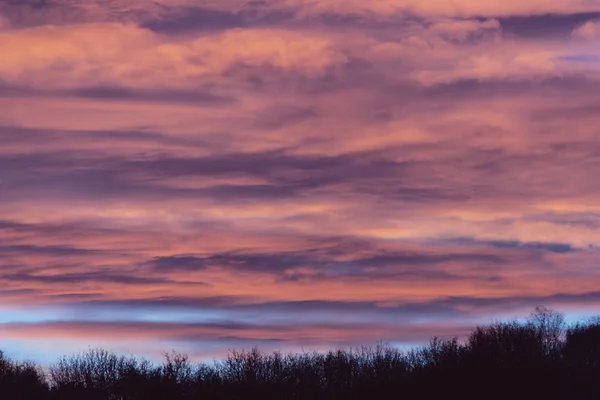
{"points": [[538, 358]]}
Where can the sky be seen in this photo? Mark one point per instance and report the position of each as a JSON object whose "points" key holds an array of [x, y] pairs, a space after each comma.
{"points": [[206, 175]]}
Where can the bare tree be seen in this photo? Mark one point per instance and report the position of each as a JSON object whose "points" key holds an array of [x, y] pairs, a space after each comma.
{"points": [[550, 324]]}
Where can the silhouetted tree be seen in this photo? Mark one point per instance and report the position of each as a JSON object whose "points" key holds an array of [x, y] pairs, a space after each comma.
{"points": [[551, 327]]}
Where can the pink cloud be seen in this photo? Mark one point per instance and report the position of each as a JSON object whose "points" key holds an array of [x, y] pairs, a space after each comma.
{"points": [[115, 54], [590, 30]]}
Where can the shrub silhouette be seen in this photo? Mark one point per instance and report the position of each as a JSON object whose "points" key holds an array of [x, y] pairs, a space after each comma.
{"points": [[538, 358]]}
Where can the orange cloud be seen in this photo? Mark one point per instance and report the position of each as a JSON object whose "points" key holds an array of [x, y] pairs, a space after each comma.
{"points": [[115, 54]]}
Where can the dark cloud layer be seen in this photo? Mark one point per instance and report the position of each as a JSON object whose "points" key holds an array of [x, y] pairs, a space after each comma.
{"points": [[545, 26]]}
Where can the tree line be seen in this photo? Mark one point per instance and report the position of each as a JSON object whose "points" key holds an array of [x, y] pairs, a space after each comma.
{"points": [[539, 358]]}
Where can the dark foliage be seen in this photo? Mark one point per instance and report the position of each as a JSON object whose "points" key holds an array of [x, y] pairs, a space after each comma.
{"points": [[539, 358], [21, 380]]}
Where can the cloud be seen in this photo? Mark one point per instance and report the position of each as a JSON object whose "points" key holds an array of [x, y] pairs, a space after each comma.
{"points": [[170, 263], [97, 277], [588, 31], [195, 18], [227, 332], [551, 247], [182, 15], [467, 30], [28, 13], [450, 50], [111, 93], [71, 56], [389, 322], [544, 26], [45, 250], [214, 64], [454, 8], [4, 24], [395, 312], [501, 65], [320, 264]]}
